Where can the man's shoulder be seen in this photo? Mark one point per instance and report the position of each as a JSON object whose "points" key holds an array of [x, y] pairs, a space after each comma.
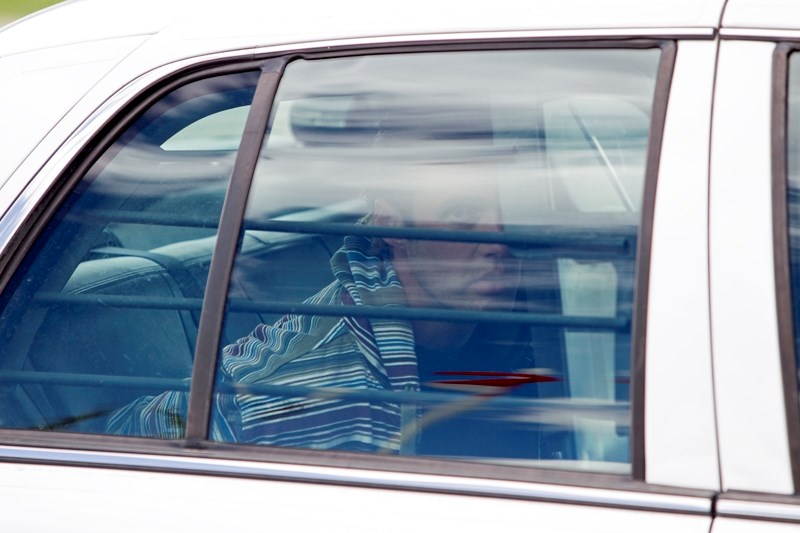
{"points": [[269, 347]]}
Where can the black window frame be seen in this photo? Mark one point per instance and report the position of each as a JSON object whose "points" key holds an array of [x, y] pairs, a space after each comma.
{"points": [[782, 256], [214, 303]]}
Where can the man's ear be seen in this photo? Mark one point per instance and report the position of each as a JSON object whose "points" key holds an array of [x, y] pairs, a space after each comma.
{"points": [[386, 214]]}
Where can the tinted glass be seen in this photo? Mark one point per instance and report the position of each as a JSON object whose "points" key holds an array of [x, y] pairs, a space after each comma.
{"points": [[104, 308], [438, 259]]}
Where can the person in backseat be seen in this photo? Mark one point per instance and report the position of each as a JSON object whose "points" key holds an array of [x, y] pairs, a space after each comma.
{"points": [[307, 353]]}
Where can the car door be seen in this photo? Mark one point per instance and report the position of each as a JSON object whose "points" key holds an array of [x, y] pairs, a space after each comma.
{"points": [[221, 314], [753, 171]]}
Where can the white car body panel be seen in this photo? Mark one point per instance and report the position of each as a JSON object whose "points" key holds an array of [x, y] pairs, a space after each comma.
{"points": [[733, 525], [204, 24], [760, 14], [82, 502], [81, 499], [681, 447], [60, 78], [81, 21], [751, 419]]}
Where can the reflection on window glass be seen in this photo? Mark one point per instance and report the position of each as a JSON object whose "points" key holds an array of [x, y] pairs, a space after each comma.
{"points": [[440, 250], [104, 308], [220, 131], [438, 259]]}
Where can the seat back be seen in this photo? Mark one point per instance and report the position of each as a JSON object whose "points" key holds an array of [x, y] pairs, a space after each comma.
{"points": [[125, 324]]}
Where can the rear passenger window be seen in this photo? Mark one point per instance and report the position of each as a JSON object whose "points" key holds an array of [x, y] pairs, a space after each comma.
{"points": [[104, 308], [438, 259]]}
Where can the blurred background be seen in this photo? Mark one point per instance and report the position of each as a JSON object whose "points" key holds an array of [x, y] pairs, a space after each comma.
{"points": [[11, 10]]}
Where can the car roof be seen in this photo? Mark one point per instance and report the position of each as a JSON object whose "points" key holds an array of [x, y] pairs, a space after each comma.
{"points": [[762, 14], [266, 23], [197, 25], [188, 22]]}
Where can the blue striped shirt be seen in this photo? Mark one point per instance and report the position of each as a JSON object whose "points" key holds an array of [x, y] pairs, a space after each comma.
{"points": [[302, 352]]}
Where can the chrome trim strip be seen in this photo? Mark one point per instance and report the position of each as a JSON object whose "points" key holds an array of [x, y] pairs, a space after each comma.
{"points": [[760, 34], [784, 512], [646, 501]]}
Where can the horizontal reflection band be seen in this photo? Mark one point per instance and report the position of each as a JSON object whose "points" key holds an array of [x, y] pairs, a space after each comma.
{"points": [[617, 323], [584, 405], [619, 240]]}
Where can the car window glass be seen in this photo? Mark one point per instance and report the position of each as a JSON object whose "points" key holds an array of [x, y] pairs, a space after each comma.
{"points": [[104, 308], [219, 131], [438, 259]]}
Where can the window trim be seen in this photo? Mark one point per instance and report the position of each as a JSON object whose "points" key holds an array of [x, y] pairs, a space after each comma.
{"points": [[209, 331], [658, 117], [644, 247], [744, 505], [379, 472], [200, 399], [781, 244]]}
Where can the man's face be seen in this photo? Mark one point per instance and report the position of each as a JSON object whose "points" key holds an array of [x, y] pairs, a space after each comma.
{"points": [[461, 275]]}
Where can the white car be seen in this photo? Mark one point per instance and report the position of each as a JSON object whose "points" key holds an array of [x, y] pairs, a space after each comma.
{"points": [[358, 266]]}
